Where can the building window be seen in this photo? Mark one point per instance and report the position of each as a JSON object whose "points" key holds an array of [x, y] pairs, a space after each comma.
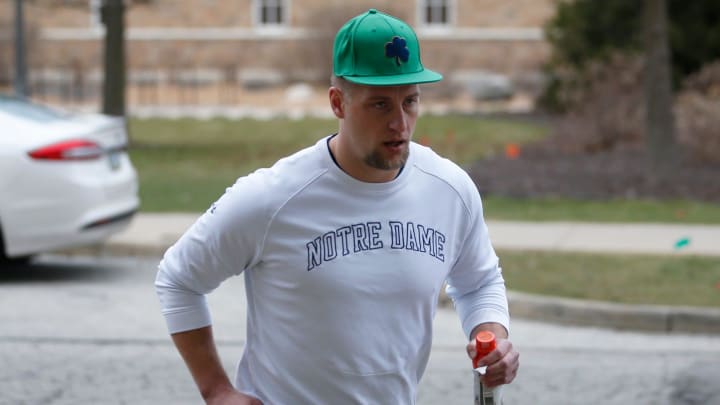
{"points": [[436, 12], [271, 12], [95, 17]]}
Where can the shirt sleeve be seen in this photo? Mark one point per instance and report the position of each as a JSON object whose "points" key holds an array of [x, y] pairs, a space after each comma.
{"points": [[226, 240], [475, 283]]}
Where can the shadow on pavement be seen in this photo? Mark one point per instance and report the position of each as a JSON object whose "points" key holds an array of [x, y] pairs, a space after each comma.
{"points": [[59, 269]]}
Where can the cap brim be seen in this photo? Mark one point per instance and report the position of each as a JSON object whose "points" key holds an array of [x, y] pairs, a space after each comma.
{"points": [[426, 76]]}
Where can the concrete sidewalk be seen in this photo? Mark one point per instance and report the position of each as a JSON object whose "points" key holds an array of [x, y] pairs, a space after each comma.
{"points": [[152, 234], [656, 239]]}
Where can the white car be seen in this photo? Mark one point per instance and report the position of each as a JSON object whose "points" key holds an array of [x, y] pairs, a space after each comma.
{"points": [[65, 179]]}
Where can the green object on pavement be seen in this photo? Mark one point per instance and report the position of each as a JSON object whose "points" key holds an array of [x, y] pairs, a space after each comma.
{"points": [[682, 242]]}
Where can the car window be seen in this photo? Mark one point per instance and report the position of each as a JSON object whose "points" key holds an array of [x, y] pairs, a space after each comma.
{"points": [[30, 111]]}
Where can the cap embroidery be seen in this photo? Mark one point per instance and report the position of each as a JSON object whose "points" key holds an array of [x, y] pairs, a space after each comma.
{"points": [[397, 49]]}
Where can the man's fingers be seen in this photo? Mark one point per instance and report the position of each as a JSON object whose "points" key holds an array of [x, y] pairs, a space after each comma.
{"points": [[502, 363], [503, 347], [470, 348], [504, 370], [492, 358]]}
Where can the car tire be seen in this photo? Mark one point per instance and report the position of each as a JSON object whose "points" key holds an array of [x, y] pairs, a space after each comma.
{"points": [[6, 261]]}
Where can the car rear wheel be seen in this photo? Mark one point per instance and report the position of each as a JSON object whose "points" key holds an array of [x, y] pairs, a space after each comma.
{"points": [[6, 261]]}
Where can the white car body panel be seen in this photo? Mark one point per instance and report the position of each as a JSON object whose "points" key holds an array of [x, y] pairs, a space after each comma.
{"points": [[47, 205]]}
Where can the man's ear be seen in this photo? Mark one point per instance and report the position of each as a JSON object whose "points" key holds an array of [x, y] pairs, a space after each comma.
{"points": [[336, 102]]}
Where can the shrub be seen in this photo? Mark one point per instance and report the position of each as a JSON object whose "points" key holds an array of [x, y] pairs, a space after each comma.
{"points": [[606, 106], [698, 120]]}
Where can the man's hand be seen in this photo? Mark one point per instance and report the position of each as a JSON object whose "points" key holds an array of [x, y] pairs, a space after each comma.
{"points": [[198, 349], [232, 397], [502, 363]]}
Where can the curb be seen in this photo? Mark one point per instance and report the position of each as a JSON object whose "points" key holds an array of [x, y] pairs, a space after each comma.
{"points": [[649, 318], [567, 311]]}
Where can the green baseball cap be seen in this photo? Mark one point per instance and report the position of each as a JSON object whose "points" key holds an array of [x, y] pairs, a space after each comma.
{"points": [[377, 49]]}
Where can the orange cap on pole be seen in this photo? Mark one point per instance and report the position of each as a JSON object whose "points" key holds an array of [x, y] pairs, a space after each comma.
{"points": [[484, 344]]}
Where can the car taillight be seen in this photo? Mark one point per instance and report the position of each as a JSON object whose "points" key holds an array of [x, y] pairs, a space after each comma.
{"points": [[68, 150]]}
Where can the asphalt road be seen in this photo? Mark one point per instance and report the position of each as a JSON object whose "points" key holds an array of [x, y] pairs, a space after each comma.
{"points": [[83, 330]]}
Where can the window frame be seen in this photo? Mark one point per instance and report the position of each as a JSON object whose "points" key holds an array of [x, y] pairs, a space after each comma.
{"points": [[450, 13], [260, 5]]}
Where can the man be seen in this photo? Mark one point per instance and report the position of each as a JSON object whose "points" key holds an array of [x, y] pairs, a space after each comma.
{"points": [[344, 248]]}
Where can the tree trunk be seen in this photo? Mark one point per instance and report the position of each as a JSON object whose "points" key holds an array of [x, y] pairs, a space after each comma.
{"points": [[112, 12], [660, 122]]}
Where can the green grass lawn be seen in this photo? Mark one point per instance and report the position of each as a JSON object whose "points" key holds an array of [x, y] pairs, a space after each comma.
{"points": [[564, 209], [185, 164], [632, 279]]}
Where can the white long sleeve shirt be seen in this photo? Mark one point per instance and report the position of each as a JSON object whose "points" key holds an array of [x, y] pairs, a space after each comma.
{"points": [[342, 277]]}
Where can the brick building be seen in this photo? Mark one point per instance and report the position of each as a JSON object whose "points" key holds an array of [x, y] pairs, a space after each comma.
{"points": [[255, 43]]}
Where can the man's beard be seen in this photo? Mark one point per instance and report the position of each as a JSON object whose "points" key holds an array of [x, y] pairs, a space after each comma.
{"points": [[376, 160]]}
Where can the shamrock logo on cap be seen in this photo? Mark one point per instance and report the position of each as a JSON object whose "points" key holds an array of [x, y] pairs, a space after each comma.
{"points": [[397, 49]]}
